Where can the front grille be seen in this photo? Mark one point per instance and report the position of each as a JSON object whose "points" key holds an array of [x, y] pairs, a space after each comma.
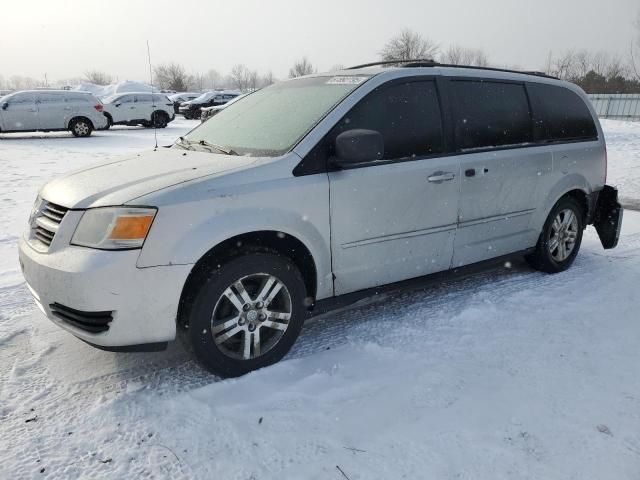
{"points": [[46, 222], [92, 322]]}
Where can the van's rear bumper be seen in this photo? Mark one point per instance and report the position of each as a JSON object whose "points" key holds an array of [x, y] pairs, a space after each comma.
{"points": [[606, 214]]}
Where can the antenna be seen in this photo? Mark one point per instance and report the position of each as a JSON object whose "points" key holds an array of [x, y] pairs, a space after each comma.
{"points": [[155, 129]]}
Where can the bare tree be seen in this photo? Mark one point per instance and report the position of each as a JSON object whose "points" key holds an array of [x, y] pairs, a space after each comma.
{"points": [[198, 81], [172, 76], [252, 80], [409, 45], [616, 68], [267, 79], [634, 60], [98, 77], [213, 79], [301, 67], [565, 65], [458, 55], [239, 77], [18, 82]]}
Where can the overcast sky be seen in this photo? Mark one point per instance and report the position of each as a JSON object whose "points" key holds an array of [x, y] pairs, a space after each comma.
{"points": [[66, 38]]}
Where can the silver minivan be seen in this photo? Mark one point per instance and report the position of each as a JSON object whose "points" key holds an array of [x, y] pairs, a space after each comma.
{"points": [[314, 192], [51, 110]]}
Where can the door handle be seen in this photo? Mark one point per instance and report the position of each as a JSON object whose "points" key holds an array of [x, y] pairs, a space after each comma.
{"points": [[439, 177]]}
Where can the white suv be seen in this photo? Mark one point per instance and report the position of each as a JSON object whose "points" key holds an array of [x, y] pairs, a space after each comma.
{"points": [[147, 109], [312, 192], [51, 110]]}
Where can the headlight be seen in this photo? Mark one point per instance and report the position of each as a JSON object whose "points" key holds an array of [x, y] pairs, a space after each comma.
{"points": [[114, 228]]}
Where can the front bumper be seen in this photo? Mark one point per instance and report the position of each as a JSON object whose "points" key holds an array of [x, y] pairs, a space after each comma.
{"points": [[142, 302]]}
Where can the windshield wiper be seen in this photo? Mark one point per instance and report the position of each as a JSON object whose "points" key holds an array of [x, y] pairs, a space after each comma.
{"points": [[184, 143], [220, 148], [189, 144]]}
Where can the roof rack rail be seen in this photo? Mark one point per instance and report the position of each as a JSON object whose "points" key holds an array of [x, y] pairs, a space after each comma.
{"points": [[425, 62], [432, 63]]}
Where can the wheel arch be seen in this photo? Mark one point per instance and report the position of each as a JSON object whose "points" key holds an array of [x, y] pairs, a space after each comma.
{"points": [[575, 186], [266, 241]]}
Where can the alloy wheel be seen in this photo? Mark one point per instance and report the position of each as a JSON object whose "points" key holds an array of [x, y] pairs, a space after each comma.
{"points": [[251, 316], [563, 235], [81, 129]]}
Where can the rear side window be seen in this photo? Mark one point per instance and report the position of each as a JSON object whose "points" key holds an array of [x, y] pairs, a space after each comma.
{"points": [[49, 98], [560, 114], [490, 114], [406, 114], [78, 99]]}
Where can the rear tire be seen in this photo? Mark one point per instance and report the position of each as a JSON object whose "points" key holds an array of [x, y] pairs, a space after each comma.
{"points": [[159, 119], [80, 127], [245, 314], [561, 236]]}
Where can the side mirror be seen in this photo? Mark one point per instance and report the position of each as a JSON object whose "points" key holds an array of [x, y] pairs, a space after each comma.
{"points": [[117, 104], [358, 146], [5, 105]]}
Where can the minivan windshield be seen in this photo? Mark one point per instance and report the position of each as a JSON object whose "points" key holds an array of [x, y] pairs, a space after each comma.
{"points": [[272, 120]]}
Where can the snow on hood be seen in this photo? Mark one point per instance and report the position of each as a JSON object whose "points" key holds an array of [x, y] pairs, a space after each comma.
{"points": [[125, 86], [120, 181]]}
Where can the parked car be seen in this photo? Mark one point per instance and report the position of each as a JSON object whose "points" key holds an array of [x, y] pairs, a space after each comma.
{"points": [[51, 110], [269, 213], [146, 109], [208, 112], [191, 108], [179, 98]]}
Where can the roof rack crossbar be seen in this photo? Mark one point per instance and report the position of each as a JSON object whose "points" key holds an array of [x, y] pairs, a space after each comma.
{"points": [[431, 63]]}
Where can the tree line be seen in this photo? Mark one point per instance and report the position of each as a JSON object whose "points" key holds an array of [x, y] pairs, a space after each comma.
{"points": [[595, 72]]}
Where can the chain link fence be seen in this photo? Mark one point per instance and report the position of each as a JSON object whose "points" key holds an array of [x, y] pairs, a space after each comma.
{"points": [[617, 106]]}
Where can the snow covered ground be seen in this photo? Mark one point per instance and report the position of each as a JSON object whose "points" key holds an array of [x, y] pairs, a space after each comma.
{"points": [[501, 373]]}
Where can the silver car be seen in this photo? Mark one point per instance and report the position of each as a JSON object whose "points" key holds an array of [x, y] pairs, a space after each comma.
{"points": [[311, 193], [51, 110]]}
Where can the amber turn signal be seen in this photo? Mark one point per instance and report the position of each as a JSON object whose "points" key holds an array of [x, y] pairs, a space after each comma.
{"points": [[131, 228]]}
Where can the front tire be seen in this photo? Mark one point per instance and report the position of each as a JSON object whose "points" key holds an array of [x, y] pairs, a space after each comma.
{"points": [[561, 237], [81, 127], [245, 314]]}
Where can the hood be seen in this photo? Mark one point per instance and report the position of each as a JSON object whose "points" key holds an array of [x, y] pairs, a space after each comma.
{"points": [[118, 182]]}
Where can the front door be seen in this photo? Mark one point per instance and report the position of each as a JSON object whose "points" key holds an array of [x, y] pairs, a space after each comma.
{"points": [[501, 171], [395, 218], [21, 113], [127, 109]]}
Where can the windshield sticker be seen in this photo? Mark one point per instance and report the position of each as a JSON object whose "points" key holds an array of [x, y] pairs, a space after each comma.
{"points": [[344, 80]]}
